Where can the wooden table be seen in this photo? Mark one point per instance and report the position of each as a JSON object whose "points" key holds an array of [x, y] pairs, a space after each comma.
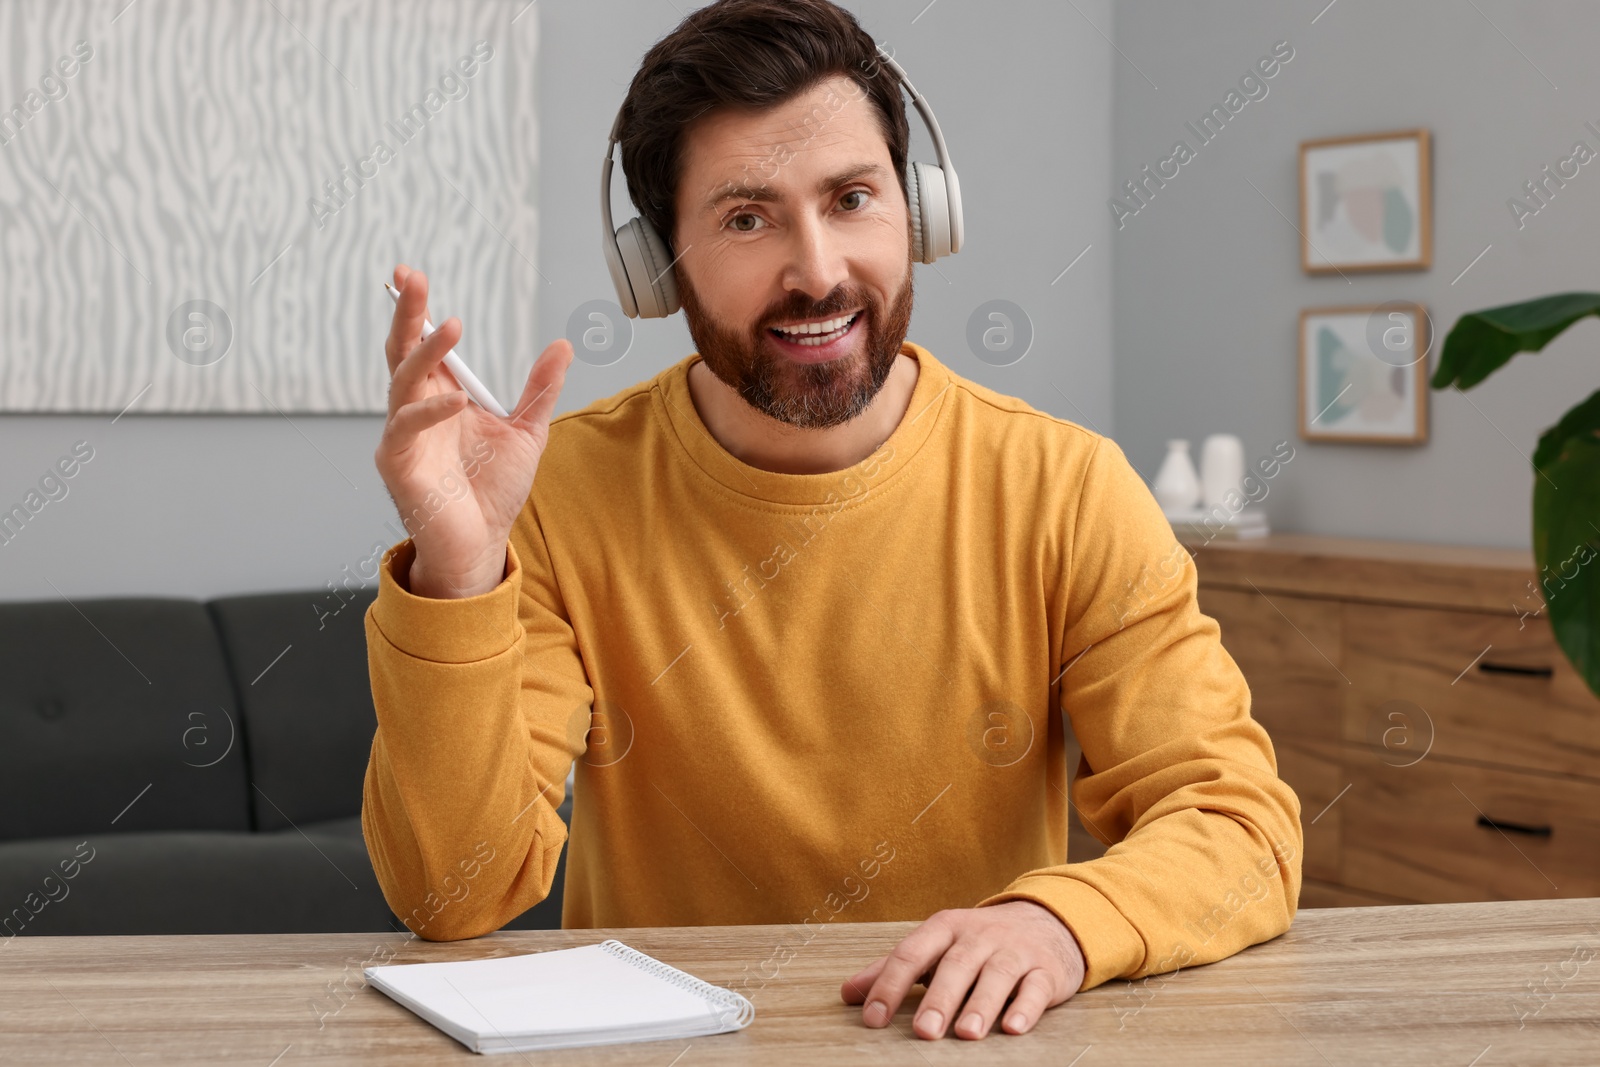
{"points": [[1440, 984]]}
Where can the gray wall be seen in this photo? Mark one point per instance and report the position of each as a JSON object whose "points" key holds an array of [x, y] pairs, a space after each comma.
{"points": [[1207, 285], [206, 506]]}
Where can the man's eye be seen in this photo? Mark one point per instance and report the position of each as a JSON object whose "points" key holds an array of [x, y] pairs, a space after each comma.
{"points": [[854, 192], [734, 222]]}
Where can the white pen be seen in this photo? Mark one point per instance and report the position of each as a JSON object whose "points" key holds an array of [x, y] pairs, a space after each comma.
{"points": [[469, 381]]}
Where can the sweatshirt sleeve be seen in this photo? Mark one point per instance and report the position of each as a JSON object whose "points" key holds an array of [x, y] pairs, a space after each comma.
{"points": [[482, 706], [1179, 780]]}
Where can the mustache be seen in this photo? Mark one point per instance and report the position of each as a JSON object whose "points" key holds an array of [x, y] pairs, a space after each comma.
{"points": [[836, 303]]}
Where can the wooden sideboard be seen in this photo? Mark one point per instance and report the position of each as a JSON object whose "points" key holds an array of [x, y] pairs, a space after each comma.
{"points": [[1442, 747]]}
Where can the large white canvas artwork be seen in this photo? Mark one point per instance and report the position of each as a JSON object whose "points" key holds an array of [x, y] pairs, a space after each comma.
{"points": [[200, 202]]}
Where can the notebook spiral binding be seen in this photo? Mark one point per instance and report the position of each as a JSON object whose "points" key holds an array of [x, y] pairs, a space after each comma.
{"points": [[733, 1007]]}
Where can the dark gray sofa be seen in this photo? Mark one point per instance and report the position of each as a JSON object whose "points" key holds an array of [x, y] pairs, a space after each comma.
{"points": [[179, 766]]}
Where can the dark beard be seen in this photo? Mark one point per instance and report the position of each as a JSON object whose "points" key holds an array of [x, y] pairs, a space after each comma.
{"points": [[810, 396]]}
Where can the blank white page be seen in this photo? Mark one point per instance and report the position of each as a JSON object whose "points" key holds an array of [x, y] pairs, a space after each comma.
{"points": [[560, 991]]}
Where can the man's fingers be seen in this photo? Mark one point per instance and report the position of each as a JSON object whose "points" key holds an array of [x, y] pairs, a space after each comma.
{"points": [[405, 328], [1036, 993], [854, 990], [914, 956], [411, 377], [1002, 973], [958, 969], [412, 419], [539, 395]]}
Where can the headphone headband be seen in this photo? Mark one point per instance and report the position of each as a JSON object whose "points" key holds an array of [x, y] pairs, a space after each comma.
{"points": [[641, 263]]}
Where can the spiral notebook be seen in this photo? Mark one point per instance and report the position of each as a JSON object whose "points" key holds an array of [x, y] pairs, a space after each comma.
{"points": [[564, 998]]}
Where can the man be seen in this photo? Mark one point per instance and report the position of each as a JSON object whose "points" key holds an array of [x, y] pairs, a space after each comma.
{"points": [[802, 612]]}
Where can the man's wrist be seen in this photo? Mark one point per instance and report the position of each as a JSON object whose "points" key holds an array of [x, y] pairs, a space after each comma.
{"points": [[426, 583]]}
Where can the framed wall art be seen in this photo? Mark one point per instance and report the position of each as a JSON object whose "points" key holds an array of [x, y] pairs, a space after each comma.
{"points": [[1366, 203], [1364, 373]]}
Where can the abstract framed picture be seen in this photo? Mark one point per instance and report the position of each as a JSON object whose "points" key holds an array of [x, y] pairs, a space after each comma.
{"points": [[1366, 203], [1363, 374]]}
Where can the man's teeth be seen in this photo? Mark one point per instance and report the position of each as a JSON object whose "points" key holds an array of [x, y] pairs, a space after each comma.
{"points": [[818, 333]]}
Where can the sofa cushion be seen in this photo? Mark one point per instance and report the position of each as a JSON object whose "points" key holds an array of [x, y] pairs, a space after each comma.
{"points": [[317, 879], [112, 702], [299, 661], [193, 882]]}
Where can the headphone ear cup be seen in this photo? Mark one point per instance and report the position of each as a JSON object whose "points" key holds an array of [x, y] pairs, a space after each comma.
{"points": [[913, 196], [663, 281], [611, 245], [647, 264], [931, 214]]}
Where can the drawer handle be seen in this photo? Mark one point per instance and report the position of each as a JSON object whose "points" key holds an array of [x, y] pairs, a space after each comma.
{"points": [[1517, 828], [1512, 668]]}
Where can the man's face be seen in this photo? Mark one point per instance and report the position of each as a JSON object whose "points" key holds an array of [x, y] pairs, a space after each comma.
{"points": [[787, 217]]}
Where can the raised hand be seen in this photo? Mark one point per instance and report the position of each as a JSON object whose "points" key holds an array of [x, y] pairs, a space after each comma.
{"points": [[439, 446]]}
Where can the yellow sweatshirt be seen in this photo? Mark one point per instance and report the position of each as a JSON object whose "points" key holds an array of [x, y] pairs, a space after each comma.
{"points": [[829, 697]]}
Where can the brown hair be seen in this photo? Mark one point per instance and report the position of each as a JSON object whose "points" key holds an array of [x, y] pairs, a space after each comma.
{"points": [[750, 55]]}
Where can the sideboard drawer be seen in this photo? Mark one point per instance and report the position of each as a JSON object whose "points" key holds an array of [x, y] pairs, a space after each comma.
{"points": [[1316, 774], [1441, 745], [1440, 831], [1283, 647], [1495, 688]]}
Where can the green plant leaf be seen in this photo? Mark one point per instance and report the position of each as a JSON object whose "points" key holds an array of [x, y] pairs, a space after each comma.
{"points": [[1583, 419], [1566, 540], [1481, 342]]}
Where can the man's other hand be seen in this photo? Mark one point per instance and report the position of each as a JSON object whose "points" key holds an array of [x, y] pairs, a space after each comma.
{"points": [[1018, 947]]}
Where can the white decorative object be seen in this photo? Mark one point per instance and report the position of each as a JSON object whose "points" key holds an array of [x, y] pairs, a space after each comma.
{"points": [[1218, 509], [1177, 484], [1221, 468]]}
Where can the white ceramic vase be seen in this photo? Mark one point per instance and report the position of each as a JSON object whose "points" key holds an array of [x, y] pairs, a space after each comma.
{"points": [[1177, 484], [1221, 468]]}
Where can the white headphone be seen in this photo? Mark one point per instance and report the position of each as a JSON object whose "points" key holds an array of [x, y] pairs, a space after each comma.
{"points": [[641, 266]]}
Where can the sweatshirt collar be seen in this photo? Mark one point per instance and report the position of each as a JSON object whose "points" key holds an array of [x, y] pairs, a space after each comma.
{"points": [[691, 438]]}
